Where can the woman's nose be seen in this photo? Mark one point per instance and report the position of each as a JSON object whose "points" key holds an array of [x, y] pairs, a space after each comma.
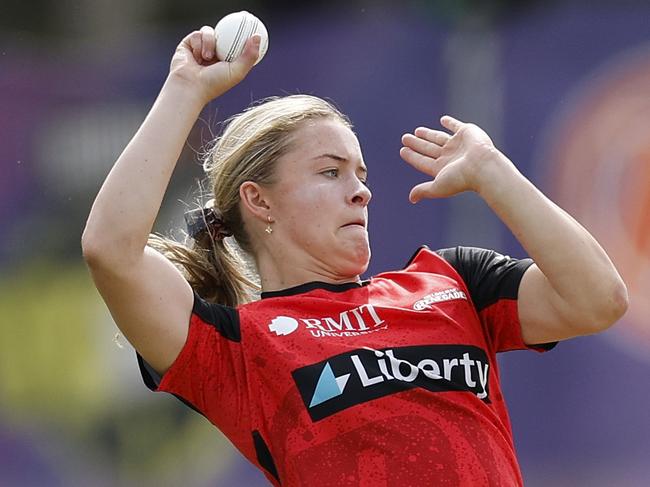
{"points": [[362, 193]]}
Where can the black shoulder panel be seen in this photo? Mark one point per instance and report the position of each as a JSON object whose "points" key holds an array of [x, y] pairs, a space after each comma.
{"points": [[415, 254], [489, 276], [224, 318], [150, 377], [264, 455]]}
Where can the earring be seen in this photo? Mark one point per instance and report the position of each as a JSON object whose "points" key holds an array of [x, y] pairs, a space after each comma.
{"points": [[268, 228]]}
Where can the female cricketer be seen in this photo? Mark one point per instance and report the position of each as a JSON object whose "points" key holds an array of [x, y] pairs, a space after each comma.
{"points": [[324, 378]]}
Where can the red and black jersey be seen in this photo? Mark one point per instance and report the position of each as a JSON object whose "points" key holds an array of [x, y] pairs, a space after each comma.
{"points": [[390, 381]]}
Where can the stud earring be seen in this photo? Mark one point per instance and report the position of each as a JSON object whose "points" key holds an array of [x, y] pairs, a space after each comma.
{"points": [[268, 228]]}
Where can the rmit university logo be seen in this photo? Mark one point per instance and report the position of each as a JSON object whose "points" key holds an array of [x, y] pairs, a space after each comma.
{"points": [[283, 325], [351, 322], [364, 374]]}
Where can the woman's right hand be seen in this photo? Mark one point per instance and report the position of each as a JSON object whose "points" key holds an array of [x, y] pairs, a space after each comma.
{"points": [[195, 64]]}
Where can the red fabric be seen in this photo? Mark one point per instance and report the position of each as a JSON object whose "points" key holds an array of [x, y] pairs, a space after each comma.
{"points": [[411, 437]]}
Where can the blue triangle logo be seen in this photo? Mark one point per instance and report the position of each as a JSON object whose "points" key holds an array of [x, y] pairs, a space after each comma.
{"points": [[328, 386]]}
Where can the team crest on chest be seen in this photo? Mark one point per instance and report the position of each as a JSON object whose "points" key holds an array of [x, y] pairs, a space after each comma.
{"points": [[438, 297]]}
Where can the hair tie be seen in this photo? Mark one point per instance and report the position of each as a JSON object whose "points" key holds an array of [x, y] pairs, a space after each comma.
{"points": [[206, 218]]}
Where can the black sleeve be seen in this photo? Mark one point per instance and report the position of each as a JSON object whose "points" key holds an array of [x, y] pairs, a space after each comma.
{"points": [[224, 319], [489, 275]]}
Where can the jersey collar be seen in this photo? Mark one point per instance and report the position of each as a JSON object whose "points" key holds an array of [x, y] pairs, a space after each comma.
{"points": [[310, 286]]}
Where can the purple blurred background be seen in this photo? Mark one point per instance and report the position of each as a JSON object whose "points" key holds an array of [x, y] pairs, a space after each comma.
{"points": [[563, 88]]}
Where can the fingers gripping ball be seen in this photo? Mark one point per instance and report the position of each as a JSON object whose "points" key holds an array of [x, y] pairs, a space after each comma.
{"points": [[233, 30]]}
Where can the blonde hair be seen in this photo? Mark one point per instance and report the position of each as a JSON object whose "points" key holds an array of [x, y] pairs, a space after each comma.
{"points": [[248, 150]]}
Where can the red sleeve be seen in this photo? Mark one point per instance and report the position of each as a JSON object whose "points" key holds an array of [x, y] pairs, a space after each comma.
{"points": [[492, 280], [501, 320], [209, 374]]}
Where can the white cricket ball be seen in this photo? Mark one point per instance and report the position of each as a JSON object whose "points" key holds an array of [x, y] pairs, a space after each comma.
{"points": [[233, 30]]}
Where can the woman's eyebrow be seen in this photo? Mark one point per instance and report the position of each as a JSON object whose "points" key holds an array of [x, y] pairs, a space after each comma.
{"points": [[332, 156]]}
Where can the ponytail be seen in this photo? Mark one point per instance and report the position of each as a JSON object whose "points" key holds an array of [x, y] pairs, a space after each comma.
{"points": [[216, 270]]}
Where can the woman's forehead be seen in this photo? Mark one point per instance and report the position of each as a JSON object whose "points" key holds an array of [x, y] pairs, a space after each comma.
{"points": [[326, 136]]}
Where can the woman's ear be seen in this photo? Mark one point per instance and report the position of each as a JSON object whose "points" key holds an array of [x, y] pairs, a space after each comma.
{"points": [[254, 198]]}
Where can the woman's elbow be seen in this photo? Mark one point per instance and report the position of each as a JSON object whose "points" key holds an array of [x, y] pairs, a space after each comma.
{"points": [[620, 301], [90, 247], [101, 252], [611, 307]]}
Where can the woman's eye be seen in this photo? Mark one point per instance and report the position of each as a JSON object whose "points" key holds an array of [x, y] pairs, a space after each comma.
{"points": [[331, 172]]}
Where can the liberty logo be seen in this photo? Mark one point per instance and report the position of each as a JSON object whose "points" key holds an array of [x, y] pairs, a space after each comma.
{"points": [[328, 386], [283, 325], [365, 374]]}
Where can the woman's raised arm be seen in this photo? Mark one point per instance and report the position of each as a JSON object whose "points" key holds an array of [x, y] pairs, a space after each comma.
{"points": [[148, 297], [573, 288]]}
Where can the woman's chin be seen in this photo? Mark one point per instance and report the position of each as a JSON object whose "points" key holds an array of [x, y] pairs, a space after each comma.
{"points": [[358, 261]]}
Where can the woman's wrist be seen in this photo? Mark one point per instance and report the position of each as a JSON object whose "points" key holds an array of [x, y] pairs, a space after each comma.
{"points": [[184, 92], [496, 175]]}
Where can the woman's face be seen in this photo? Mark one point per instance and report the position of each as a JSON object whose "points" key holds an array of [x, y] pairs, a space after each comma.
{"points": [[320, 201]]}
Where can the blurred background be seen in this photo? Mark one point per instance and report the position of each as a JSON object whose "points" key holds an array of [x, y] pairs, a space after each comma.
{"points": [[562, 87]]}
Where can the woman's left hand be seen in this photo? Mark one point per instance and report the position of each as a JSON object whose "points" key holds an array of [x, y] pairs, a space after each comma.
{"points": [[464, 160]]}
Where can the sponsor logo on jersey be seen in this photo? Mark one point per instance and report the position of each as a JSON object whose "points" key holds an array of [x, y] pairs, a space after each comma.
{"points": [[328, 386], [352, 322], [439, 296], [365, 374], [283, 325]]}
